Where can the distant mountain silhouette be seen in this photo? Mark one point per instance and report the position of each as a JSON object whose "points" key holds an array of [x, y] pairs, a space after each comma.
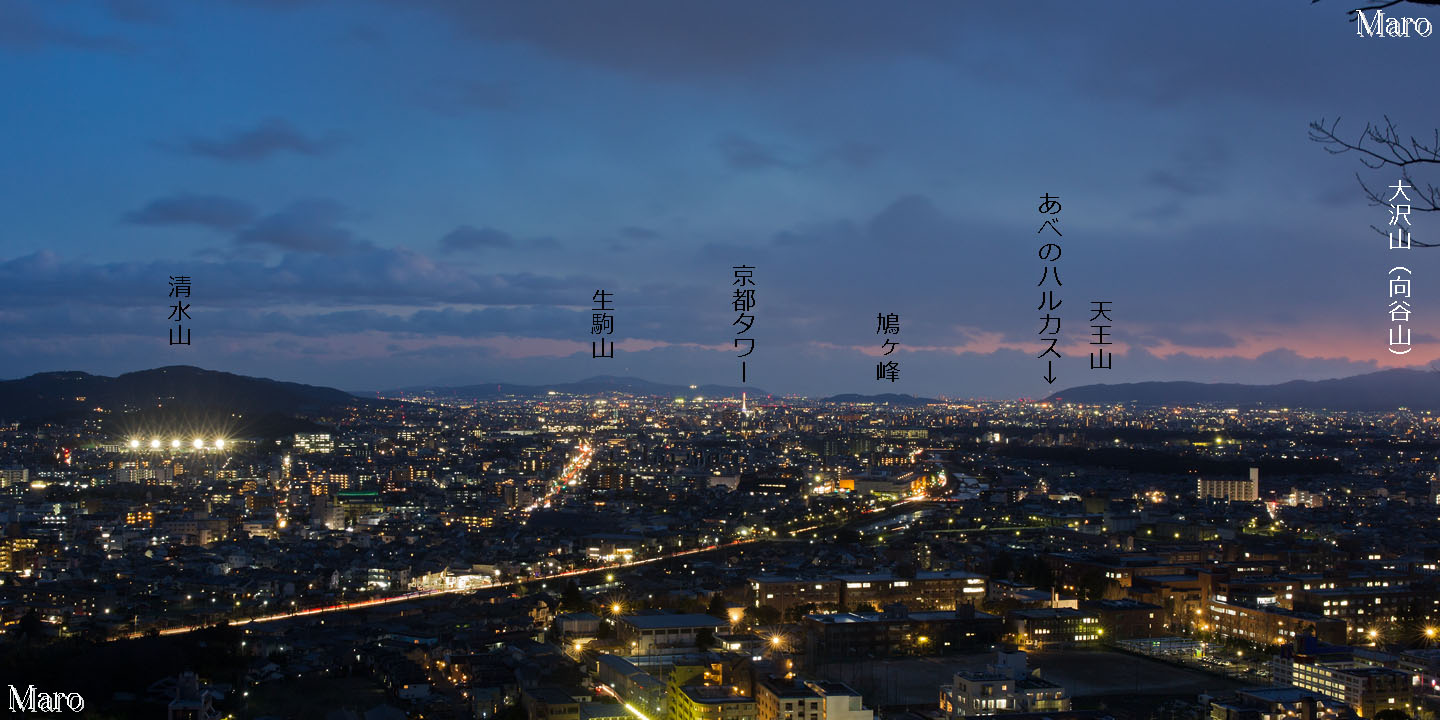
{"points": [[176, 397], [880, 399], [1383, 390], [598, 385]]}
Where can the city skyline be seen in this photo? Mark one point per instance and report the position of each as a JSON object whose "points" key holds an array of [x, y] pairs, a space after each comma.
{"points": [[719, 360], [560, 550]]}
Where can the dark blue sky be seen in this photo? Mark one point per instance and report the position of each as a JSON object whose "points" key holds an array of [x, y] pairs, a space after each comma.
{"points": [[376, 193]]}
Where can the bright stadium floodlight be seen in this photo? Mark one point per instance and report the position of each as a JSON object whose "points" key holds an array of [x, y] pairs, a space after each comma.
{"points": [[199, 444], [134, 444], [219, 444], [175, 443], [155, 444]]}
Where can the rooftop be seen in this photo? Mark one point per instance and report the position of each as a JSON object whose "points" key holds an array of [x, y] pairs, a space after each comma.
{"points": [[670, 622]]}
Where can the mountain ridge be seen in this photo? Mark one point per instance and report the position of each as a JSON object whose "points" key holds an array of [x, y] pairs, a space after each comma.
{"points": [[1376, 391], [174, 395], [58, 394], [593, 385]]}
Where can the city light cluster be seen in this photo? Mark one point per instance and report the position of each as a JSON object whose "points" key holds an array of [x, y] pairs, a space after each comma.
{"points": [[176, 444]]}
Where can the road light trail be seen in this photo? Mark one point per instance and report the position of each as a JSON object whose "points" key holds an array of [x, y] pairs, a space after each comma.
{"points": [[421, 594], [574, 467]]}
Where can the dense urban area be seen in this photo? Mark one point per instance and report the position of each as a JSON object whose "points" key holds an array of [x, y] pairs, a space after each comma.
{"points": [[628, 557]]}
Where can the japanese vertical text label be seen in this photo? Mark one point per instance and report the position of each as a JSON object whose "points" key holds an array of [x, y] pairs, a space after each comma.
{"points": [[1400, 275], [180, 311], [1050, 253], [744, 302], [602, 323], [887, 325], [1100, 358]]}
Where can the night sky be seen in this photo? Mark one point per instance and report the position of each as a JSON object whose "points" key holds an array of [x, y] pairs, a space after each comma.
{"points": [[373, 194]]}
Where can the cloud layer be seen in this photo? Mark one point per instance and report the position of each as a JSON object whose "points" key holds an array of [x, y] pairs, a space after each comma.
{"points": [[397, 193]]}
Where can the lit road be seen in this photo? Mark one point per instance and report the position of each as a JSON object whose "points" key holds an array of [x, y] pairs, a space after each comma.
{"points": [[568, 478], [408, 597], [611, 692], [572, 471]]}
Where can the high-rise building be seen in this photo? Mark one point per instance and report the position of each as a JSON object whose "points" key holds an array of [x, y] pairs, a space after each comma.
{"points": [[314, 443], [1247, 490], [1367, 689], [1005, 686], [16, 553], [610, 477], [784, 699], [709, 702], [14, 476], [400, 478]]}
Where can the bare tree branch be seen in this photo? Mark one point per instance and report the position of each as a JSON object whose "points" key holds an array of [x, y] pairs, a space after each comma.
{"points": [[1382, 6], [1379, 146]]}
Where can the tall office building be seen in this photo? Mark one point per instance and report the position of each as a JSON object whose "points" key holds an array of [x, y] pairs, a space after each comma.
{"points": [[306, 443]]}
